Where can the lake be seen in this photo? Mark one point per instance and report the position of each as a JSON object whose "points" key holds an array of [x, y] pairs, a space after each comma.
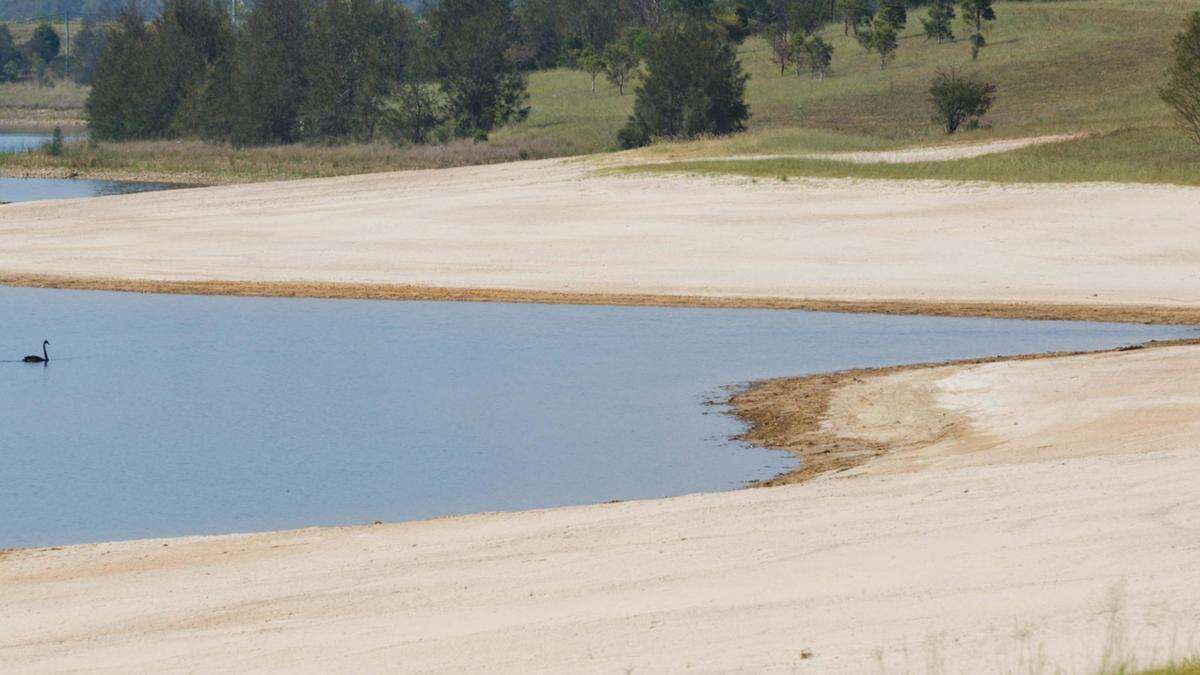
{"points": [[171, 415], [32, 189]]}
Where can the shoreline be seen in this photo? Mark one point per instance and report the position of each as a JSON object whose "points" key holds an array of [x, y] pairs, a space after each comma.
{"points": [[789, 413], [1041, 311]]}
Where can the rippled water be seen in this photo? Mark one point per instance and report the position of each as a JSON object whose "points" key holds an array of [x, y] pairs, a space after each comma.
{"points": [[170, 415]]}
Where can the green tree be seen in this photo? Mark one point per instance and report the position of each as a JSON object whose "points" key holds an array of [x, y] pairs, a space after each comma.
{"points": [[939, 25], [590, 62], [620, 65], [960, 100], [895, 13], [12, 61], [86, 48], [880, 38], [782, 47], [269, 80], [356, 54], [127, 100], [854, 14], [694, 85], [1182, 89], [814, 53], [44, 43], [471, 42], [976, 15]]}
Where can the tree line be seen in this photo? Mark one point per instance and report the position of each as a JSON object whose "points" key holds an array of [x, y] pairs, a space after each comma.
{"points": [[43, 57]]}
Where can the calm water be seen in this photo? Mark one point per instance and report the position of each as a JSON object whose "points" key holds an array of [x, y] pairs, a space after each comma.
{"points": [[32, 189], [169, 415]]}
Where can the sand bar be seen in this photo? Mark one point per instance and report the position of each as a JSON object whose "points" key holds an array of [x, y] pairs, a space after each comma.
{"points": [[554, 227]]}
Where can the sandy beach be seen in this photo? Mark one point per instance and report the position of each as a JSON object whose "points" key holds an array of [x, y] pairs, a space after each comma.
{"points": [[1024, 515]]}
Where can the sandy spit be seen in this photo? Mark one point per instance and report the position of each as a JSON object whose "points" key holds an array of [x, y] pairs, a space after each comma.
{"points": [[555, 227], [1054, 528]]}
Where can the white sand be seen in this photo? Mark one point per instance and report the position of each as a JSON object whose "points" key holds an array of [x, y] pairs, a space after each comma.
{"points": [[1057, 528], [551, 226]]}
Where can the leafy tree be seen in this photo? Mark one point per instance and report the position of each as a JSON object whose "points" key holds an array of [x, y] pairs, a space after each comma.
{"points": [[939, 25], [854, 14], [620, 65], [55, 147], [44, 43], [355, 54], [127, 100], [782, 48], [880, 38], [86, 48], [976, 14], [471, 41], [269, 78], [960, 100], [814, 53], [1182, 89], [590, 62], [694, 85], [12, 61], [895, 13]]}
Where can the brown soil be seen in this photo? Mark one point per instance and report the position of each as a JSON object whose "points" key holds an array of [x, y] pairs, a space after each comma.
{"points": [[1047, 311]]}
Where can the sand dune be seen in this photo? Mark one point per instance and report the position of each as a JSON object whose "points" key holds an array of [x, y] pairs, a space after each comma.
{"points": [[1056, 528]]}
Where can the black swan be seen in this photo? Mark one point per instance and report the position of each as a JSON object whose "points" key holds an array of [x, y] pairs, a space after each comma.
{"points": [[44, 358]]}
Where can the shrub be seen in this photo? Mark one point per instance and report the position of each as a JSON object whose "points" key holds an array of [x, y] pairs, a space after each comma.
{"points": [[1182, 89], [958, 100], [55, 147]]}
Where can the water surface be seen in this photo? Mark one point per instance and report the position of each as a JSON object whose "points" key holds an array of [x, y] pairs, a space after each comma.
{"points": [[170, 415]]}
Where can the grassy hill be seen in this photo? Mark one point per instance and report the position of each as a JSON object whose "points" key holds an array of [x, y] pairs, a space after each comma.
{"points": [[1067, 66]]}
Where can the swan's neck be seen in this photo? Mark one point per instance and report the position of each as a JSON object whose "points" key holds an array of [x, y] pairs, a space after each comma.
{"points": [[45, 355]]}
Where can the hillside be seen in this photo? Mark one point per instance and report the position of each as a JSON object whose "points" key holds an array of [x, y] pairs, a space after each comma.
{"points": [[1073, 66]]}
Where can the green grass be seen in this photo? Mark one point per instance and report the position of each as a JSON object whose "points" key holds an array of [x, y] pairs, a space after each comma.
{"points": [[1187, 667], [1074, 65], [1147, 155]]}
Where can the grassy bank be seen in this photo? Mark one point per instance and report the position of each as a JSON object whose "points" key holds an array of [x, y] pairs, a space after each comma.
{"points": [[1145, 155], [1076, 65]]}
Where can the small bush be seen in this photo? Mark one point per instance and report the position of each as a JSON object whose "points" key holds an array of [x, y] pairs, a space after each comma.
{"points": [[55, 147], [960, 100]]}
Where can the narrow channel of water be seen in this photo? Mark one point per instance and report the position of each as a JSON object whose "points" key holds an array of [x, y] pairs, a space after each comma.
{"points": [[171, 415], [34, 189]]}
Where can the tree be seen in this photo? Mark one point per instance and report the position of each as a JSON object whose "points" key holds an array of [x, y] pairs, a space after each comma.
{"points": [[939, 25], [1182, 89], [471, 41], [44, 43], [126, 100], [694, 85], [781, 48], [880, 38], [976, 14], [356, 53], [86, 48], [960, 100], [590, 62], [895, 13], [815, 53], [620, 65], [12, 61], [854, 14], [269, 78]]}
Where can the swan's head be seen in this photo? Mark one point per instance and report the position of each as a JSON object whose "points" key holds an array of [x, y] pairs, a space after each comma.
{"points": [[45, 343]]}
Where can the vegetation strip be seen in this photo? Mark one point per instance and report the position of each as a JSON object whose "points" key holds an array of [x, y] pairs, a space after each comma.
{"points": [[1150, 314], [788, 413]]}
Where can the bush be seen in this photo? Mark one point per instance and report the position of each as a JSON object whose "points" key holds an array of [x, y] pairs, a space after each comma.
{"points": [[1182, 90], [55, 147], [958, 100], [694, 85]]}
